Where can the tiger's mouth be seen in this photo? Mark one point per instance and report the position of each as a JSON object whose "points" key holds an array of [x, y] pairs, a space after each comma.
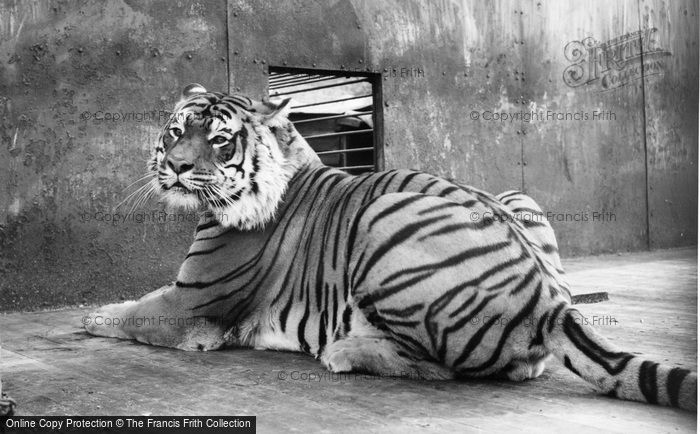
{"points": [[176, 187], [181, 190]]}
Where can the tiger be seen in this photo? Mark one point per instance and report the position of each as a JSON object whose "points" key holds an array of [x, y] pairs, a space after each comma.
{"points": [[389, 272]]}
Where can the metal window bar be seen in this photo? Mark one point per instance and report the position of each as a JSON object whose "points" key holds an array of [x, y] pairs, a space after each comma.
{"points": [[366, 168], [300, 82], [325, 118], [280, 75], [331, 101], [335, 142], [339, 134], [318, 88], [294, 79], [340, 151]]}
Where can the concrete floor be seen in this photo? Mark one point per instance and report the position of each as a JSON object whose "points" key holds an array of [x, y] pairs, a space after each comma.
{"points": [[51, 367]]}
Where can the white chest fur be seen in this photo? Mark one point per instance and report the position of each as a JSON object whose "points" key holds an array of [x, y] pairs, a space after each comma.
{"points": [[265, 334]]}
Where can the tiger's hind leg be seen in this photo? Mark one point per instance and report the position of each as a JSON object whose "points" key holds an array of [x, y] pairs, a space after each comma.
{"points": [[363, 347], [379, 356], [524, 369]]}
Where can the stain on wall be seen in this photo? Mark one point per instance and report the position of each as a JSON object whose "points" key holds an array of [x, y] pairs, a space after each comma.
{"points": [[671, 108], [82, 85], [450, 70], [487, 94], [584, 162]]}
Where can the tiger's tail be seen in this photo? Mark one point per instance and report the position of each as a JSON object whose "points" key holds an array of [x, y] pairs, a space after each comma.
{"points": [[620, 374]]}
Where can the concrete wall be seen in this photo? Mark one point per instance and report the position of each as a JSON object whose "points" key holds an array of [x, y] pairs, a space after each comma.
{"points": [[447, 65], [64, 65]]}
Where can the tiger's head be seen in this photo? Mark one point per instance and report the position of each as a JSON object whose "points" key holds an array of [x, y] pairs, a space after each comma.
{"points": [[230, 154]]}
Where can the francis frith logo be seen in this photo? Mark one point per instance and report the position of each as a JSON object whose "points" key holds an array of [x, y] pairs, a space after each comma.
{"points": [[616, 62]]}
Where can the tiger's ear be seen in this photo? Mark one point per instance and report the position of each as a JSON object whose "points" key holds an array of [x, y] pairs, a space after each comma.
{"points": [[192, 89], [276, 114]]}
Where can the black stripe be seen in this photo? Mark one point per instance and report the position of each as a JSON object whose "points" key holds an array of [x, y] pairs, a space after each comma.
{"points": [[190, 104], [613, 393], [448, 190], [378, 295], [311, 179], [394, 208], [502, 283], [448, 262], [448, 229], [439, 208], [647, 381], [397, 322], [395, 240], [412, 344], [322, 330], [403, 312], [284, 314], [475, 340], [502, 196], [612, 362], [341, 211], [388, 182], [347, 315], [529, 210], [376, 180], [465, 304], [243, 307], [531, 223], [351, 276], [538, 340], [515, 322], [334, 309], [302, 329], [406, 180], [525, 282], [458, 325], [427, 186], [446, 298], [555, 314], [201, 285], [207, 225], [674, 383], [326, 185], [549, 248], [570, 367], [204, 252], [285, 284]]}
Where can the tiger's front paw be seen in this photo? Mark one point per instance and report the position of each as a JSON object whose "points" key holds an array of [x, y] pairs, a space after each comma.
{"points": [[112, 321], [354, 354], [337, 361]]}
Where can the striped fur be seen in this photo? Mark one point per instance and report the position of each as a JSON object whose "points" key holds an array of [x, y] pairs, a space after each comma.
{"points": [[392, 273]]}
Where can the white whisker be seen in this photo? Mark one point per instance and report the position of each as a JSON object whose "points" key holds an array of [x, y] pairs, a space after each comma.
{"points": [[146, 176], [135, 193]]}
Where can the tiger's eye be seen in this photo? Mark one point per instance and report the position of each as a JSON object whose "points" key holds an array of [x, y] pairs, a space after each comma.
{"points": [[219, 140], [175, 132]]}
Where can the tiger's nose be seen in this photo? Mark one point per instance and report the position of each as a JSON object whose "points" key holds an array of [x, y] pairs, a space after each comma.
{"points": [[179, 166]]}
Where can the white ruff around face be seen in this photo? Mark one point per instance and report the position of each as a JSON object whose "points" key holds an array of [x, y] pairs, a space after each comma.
{"points": [[182, 201], [253, 210]]}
